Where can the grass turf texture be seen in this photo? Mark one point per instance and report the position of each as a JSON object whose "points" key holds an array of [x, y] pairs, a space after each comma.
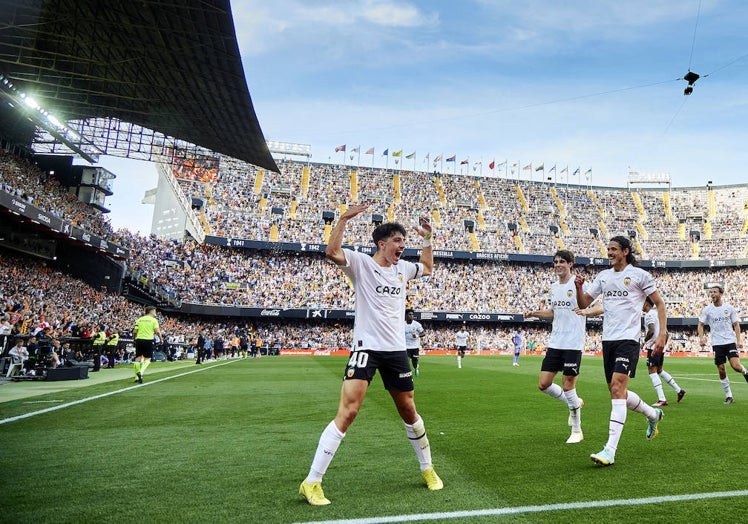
{"points": [[232, 442]]}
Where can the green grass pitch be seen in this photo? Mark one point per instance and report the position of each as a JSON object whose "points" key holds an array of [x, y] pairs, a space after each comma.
{"points": [[232, 442]]}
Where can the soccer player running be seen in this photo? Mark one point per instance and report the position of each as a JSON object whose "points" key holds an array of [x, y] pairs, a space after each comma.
{"points": [[146, 328], [725, 328], [379, 283], [623, 287], [655, 362], [566, 344], [413, 333]]}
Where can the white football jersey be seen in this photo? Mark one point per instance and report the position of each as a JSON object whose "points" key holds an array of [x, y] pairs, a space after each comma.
{"points": [[720, 320], [623, 295], [413, 332], [461, 338], [650, 318], [568, 327], [380, 301]]}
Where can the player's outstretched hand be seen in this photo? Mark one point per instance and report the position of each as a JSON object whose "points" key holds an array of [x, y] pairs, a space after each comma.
{"points": [[354, 210], [424, 228]]}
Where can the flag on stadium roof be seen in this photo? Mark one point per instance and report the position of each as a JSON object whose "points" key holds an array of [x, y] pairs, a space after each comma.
{"points": [[565, 170], [369, 151], [576, 172], [588, 171], [541, 167], [356, 149], [412, 155], [399, 152], [438, 159], [528, 166], [552, 169], [386, 152], [464, 162], [492, 165], [340, 148], [452, 158]]}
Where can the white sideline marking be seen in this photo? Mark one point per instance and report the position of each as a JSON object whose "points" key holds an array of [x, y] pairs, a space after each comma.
{"points": [[535, 509], [95, 397]]}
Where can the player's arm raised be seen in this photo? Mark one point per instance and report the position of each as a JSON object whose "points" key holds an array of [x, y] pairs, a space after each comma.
{"points": [[334, 250], [425, 230]]}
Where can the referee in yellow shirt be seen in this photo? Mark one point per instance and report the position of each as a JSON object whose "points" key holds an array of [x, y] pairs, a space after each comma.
{"points": [[146, 327]]}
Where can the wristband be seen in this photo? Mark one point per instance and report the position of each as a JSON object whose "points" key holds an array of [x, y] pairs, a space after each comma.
{"points": [[426, 242]]}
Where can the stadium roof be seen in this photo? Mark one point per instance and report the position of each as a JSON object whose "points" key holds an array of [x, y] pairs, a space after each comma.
{"points": [[172, 67]]}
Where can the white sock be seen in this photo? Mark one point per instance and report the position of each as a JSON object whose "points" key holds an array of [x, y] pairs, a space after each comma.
{"points": [[328, 444], [726, 386], [670, 381], [416, 432], [555, 391], [743, 370], [574, 404], [634, 403], [657, 383], [617, 420], [459, 361]]}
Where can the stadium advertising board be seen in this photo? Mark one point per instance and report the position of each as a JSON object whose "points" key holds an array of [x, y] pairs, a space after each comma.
{"points": [[297, 247], [337, 314]]}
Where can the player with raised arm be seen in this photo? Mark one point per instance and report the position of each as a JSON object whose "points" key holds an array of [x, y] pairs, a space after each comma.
{"points": [[724, 325], [380, 284], [566, 344]]}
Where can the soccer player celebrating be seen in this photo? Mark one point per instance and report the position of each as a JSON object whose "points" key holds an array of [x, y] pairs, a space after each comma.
{"points": [[379, 283], [725, 328], [566, 343], [623, 287], [413, 333]]}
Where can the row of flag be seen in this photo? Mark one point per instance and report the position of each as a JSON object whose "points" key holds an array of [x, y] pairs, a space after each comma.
{"points": [[493, 165]]}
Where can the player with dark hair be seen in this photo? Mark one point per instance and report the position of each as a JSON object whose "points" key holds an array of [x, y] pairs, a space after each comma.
{"points": [[623, 288], [144, 333], [655, 362], [724, 325], [413, 333], [380, 284], [461, 342], [566, 344]]}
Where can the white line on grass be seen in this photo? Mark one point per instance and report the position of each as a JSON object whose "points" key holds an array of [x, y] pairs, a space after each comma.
{"points": [[95, 397], [536, 509]]}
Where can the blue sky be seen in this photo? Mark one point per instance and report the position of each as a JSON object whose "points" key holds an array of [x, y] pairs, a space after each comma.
{"points": [[589, 84]]}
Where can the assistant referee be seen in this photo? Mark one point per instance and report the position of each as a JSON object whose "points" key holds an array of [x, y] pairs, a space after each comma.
{"points": [[146, 328]]}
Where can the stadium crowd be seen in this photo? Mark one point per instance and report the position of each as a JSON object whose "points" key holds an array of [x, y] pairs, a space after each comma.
{"points": [[677, 224], [35, 295]]}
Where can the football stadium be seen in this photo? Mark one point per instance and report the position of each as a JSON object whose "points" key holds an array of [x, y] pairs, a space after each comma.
{"points": [[191, 375]]}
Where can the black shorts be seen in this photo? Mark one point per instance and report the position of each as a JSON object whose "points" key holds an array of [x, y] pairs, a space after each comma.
{"points": [[461, 349], [144, 348], [393, 366], [567, 360], [655, 360], [620, 356], [723, 352], [413, 352]]}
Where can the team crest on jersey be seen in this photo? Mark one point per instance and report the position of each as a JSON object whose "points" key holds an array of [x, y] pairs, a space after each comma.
{"points": [[400, 277], [569, 293], [626, 281], [727, 312]]}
